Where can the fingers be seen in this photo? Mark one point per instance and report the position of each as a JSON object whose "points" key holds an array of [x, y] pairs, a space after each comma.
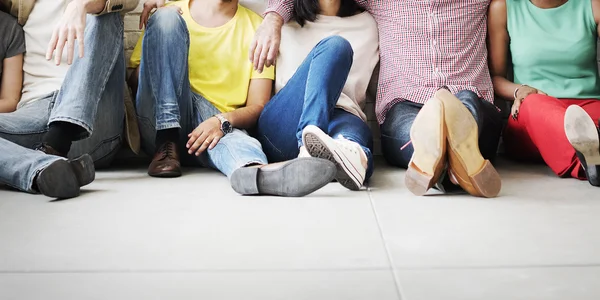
{"points": [[252, 49], [515, 109], [194, 135], [80, 34], [214, 143], [62, 39], [542, 93], [262, 59], [272, 54], [197, 144], [145, 14], [207, 142], [257, 56], [70, 45], [52, 44]]}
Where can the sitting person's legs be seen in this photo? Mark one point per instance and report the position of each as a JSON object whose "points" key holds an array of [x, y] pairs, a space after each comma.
{"points": [[540, 130], [88, 108], [92, 94], [35, 172], [308, 100], [444, 115], [169, 111], [395, 133], [164, 98]]}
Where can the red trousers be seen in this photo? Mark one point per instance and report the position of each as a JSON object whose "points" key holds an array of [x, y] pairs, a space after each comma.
{"points": [[538, 133]]}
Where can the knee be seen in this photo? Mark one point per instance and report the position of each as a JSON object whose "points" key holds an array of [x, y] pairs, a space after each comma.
{"points": [[339, 45], [167, 21], [535, 102], [468, 97]]}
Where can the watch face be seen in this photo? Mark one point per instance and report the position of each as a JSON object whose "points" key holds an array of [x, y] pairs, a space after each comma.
{"points": [[226, 127]]}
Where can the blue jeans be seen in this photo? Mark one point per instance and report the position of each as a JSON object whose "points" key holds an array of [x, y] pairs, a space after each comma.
{"points": [[309, 98], [91, 96], [165, 99], [395, 131]]}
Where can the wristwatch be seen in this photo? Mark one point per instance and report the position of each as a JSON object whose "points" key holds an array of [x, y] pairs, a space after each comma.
{"points": [[225, 124]]}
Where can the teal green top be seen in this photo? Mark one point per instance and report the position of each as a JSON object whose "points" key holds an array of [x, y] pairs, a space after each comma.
{"points": [[554, 50]]}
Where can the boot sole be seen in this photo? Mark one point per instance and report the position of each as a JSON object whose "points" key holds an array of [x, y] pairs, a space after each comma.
{"points": [[58, 180], [83, 167], [319, 146], [474, 174], [295, 178], [582, 134], [428, 138]]}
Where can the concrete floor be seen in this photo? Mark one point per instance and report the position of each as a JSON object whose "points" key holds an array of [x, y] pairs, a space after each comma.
{"points": [[134, 237]]}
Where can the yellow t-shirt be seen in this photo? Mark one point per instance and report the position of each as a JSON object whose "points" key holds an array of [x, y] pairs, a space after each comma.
{"points": [[219, 68]]}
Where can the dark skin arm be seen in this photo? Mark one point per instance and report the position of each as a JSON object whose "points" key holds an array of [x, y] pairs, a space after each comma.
{"points": [[12, 82], [208, 134], [596, 11], [498, 47]]}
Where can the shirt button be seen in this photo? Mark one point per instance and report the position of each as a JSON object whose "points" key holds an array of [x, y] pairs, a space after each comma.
{"points": [[434, 42]]}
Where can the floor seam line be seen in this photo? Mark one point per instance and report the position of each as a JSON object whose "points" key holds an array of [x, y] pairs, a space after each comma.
{"points": [[385, 245]]}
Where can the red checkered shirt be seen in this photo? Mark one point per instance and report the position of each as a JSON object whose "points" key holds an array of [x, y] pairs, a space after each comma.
{"points": [[425, 45]]}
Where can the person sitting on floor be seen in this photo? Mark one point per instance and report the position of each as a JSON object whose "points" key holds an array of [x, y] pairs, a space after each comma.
{"points": [[318, 108], [435, 93], [63, 103], [556, 86], [197, 91]]}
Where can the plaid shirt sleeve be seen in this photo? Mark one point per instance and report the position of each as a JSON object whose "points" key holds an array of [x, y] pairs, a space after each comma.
{"points": [[282, 8]]}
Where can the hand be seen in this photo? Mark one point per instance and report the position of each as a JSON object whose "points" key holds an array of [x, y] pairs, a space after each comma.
{"points": [[71, 27], [265, 46], [149, 6], [521, 94], [206, 135]]}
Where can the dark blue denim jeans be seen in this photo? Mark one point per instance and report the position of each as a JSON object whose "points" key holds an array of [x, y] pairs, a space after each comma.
{"points": [[309, 98], [395, 131]]}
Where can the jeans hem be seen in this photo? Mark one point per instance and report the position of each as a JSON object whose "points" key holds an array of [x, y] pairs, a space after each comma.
{"points": [[169, 125], [85, 126]]}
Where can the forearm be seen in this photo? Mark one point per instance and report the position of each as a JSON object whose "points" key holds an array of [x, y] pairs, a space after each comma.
{"points": [[504, 87], [8, 105], [245, 117]]}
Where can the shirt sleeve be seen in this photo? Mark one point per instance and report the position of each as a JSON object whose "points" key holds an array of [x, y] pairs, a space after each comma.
{"points": [[136, 56], [281, 7], [16, 41], [267, 73]]}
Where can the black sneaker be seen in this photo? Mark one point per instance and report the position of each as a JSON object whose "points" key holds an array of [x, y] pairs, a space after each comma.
{"points": [[584, 136]]}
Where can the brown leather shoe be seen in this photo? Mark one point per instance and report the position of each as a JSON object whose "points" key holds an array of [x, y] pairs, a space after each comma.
{"points": [[470, 170], [428, 137], [165, 162]]}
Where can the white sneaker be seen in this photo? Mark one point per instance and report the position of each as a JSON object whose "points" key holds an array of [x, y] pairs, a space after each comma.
{"points": [[348, 156], [303, 153]]}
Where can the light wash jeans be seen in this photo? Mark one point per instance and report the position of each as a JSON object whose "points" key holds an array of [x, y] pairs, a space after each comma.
{"points": [[309, 98], [165, 99], [91, 96]]}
